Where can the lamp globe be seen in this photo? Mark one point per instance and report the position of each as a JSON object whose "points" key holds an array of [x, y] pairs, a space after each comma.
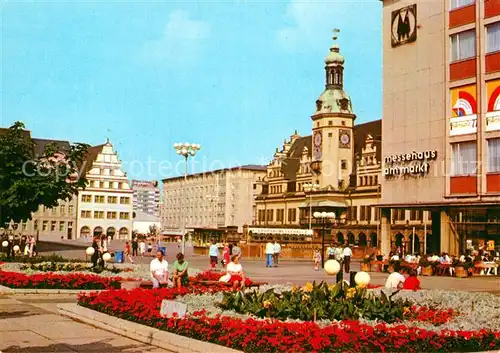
{"points": [[106, 257], [16, 248], [5, 243], [90, 251], [362, 279], [332, 267]]}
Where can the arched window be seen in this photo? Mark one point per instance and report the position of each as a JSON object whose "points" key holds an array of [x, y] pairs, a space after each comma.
{"points": [[362, 239]]}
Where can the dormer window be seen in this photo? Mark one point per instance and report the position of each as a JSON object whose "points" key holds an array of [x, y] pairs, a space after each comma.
{"points": [[319, 105]]}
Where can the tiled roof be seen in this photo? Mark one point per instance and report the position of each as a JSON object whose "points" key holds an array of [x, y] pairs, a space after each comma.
{"points": [[92, 153], [374, 128], [40, 144], [290, 165]]}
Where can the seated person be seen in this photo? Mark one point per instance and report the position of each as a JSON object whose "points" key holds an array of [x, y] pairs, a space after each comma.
{"points": [[395, 279], [181, 277], [159, 270], [235, 270], [412, 282]]}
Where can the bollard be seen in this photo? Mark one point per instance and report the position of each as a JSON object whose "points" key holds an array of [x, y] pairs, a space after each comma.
{"points": [[352, 282], [340, 276]]}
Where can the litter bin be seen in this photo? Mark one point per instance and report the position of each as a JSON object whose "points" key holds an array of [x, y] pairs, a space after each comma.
{"points": [[163, 249], [119, 257]]}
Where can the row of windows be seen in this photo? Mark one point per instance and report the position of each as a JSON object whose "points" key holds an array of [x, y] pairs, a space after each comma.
{"points": [[463, 44], [368, 180], [53, 226], [268, 215], [124, 200], [107, 184], [464, 157], [63, 209], [100, 214]]}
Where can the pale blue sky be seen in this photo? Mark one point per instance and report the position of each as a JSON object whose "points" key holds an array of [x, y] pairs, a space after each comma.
{"points": [[236, 77]]}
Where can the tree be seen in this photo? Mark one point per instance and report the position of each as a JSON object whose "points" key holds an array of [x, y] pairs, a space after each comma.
{"points": [[28, 182]]}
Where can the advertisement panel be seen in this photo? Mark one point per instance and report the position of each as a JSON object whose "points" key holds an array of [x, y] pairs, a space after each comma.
{"points": [[493, 114], [463, 110]]}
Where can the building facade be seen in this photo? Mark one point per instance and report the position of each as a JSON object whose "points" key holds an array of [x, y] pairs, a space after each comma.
{"points": [[341, 162], [105, 206], [217, 199], [441, 121], [146, 197]]}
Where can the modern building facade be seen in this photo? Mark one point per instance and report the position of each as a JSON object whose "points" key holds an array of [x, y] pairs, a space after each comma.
{"points": [[146, 197], [217, 199], [441, 120], [105, 206]]}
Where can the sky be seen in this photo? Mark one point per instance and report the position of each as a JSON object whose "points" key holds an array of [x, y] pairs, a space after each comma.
{"points": [[236, 77]]}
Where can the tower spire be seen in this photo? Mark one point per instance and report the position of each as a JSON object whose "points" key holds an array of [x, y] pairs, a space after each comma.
{"points": [[334, 64]]}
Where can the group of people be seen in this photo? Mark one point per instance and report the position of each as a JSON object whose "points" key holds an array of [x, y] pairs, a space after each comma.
{"points": [[160, 273], [338, 252], [228, 251], [231, 255], [27, 246], [273, 251], [397, 280]]}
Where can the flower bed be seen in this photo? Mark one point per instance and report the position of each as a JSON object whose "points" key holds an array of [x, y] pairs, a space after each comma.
{"points": [[268, 335], [58, 281], [71, 267]]}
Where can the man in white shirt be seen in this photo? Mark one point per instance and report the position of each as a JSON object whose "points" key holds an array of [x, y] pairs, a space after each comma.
{"points": [[159, 270], [347, 259], [395, 279], [213, 252], [269, 254], [276, 255]]}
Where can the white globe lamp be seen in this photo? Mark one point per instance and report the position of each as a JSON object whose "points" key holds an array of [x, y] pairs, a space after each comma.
{"points": [[332, 267], [317, 214], [362, 279], [5, 243], [16, 248], [90, 251], [106, 257]]}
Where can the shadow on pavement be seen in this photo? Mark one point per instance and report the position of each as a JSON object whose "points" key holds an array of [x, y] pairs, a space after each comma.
{"points": [[16, 314], [92, 347]]}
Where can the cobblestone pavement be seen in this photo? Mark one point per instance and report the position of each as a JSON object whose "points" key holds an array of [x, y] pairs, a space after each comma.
{"points": [[30, 323]]}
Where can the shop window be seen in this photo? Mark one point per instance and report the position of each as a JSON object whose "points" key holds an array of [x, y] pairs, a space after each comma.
{"points": [[493, 37], [463, 158], [463, 45], [455, 4], [494, 155]]}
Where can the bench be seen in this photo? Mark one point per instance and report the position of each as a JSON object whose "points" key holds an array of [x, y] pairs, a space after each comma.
{"points": [[253, 284]]}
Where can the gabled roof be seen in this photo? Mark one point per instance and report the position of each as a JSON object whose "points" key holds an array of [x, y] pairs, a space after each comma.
{"points": [[39, 146], [92, 153], [361, 131], [290, 165]]}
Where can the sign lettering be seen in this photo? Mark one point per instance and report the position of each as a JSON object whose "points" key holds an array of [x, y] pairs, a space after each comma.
{"points": [[415, 163]]}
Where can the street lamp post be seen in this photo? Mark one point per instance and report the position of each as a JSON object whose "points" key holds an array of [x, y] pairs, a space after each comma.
{"points": [[325, 217], [310, 188], [186, 150]]}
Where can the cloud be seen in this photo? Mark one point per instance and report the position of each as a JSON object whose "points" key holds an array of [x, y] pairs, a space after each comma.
{"points": [[182, 42], [312, 20]]}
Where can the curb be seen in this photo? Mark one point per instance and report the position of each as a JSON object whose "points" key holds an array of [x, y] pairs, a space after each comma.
{"points": [[7, 290], [145, 334]]}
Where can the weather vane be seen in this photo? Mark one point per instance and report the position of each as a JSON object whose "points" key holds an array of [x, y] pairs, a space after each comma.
{"points": [[335, 33], [107, 135]]}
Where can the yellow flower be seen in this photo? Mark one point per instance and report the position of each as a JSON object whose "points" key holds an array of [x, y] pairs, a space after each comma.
{"points": [[406, 311], [308, 287], [294, 289], [305, 298], [350, 293], [267, 304]]}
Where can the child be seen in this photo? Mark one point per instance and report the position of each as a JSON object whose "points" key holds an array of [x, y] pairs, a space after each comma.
{"points": [[412, 282], [316, 259]]}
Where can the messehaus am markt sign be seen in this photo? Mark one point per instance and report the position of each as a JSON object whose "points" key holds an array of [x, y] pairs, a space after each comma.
{"points": [[409, 164]]}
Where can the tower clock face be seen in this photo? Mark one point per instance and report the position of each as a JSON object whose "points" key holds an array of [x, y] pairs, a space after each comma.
{"points": [[317, 139], [344, 139], [404, 25]]}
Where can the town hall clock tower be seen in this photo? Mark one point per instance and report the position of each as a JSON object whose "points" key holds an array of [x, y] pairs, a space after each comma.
{"points": [[333, 122]]}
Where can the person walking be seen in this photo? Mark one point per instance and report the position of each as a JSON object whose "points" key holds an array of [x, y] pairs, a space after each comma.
{"points": [[236, 250], [135, 247], [347, 258], [95, 256], [269, 254], [330, 251], [226, 255], [276, 255], [142, 247], [127, 252], [316, 259], [213, 252]]}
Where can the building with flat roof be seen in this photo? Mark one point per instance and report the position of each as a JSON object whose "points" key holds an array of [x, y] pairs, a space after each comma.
{"points": [[216, 199], [146, 197], [441, 121]]}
